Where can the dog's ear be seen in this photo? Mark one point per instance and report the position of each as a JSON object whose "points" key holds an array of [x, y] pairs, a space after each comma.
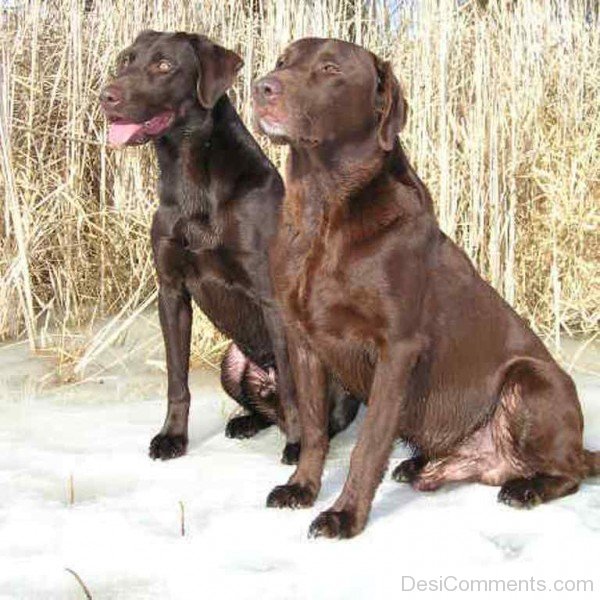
{"points": [[217, 70], [391, 105]]}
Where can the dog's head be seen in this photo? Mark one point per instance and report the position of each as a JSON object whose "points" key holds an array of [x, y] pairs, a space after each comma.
{"points": [[159, 78], [324, 90]]}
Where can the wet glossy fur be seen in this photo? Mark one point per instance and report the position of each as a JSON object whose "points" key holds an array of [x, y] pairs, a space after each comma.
{"points": [[219, 204], [372, 290]]}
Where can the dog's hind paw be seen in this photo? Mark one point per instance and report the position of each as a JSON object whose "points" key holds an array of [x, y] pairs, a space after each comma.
{"points": [[245, 426], [291, 454], [408, 470], [520, 493]]}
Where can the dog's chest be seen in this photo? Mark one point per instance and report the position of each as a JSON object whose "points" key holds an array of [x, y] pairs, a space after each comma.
{"points": [[338, 319], [200, 232], [192, 222], [191, 253], [332, 309], [195, 220]]}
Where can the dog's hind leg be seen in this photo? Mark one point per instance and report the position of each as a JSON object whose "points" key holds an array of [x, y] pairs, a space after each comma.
{"points": [[427, 476], [235, 369], [546, 426], [531, 445]]}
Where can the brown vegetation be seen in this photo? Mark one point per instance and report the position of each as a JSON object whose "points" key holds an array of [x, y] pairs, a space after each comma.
{"points": [[503, 127]]}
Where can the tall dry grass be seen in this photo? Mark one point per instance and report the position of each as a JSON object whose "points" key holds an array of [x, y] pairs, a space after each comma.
{"points": [[503, 127]]}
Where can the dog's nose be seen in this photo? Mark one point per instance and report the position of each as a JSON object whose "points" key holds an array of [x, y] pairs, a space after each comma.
{"points": [[267, 89], [110, 96]]}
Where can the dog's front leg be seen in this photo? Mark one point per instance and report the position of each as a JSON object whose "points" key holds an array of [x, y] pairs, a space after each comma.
{"points": [[311, 384], [386, 408], [285, 386], [175, 311]]}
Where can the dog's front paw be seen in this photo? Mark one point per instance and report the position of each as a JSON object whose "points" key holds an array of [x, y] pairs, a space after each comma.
{"points": [[244, 426], [291, 454], [519, 493], [292, 495], [333, 524], [166, 446]]}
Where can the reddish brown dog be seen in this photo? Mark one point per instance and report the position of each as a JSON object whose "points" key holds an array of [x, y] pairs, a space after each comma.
{"points": [[373, 290]]}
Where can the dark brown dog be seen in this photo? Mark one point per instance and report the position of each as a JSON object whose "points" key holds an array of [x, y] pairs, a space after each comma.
{"points": [[373, 290], [219, 204]]}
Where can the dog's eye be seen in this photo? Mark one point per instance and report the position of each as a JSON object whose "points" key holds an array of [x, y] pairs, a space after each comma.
{"points": [[279, 63], [124, 61], [163, 66], [330, 68]]}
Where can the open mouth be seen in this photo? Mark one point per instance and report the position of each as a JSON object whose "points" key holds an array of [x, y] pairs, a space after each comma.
{"points": [[127, 133]]}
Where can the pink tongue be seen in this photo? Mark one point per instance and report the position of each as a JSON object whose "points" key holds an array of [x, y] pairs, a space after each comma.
{"points": [[120, 133]]}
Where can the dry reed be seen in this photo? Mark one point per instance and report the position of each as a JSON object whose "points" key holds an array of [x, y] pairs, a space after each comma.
{"points": [[503, 127]]}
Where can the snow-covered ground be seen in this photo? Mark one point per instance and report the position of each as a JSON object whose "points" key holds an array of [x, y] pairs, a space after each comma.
{"points": [[121, 531]]}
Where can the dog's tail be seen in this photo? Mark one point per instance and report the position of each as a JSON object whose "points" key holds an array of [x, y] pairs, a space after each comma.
{"points": [[592, 462]]}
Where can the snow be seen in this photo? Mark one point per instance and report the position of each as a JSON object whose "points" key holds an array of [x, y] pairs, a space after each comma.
{"points": [[122, 532]]}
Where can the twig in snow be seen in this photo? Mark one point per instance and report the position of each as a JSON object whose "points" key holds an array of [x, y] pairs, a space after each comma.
{"points": [[71, 490], [84, 587], [182, 517]]}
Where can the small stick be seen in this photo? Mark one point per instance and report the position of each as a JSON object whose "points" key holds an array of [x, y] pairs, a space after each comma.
{"points": [[84, 587], [71, 490], [182, 517]]}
